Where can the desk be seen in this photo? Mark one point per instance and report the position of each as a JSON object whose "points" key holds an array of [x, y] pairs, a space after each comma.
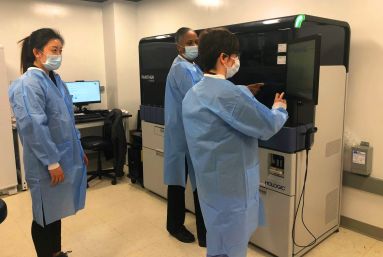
{"points": [[100, 122], [90, 124], [19, 148], [82, 125]]}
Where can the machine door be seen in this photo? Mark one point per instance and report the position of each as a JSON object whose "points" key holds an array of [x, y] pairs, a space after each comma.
{"points": [[275, 236]]}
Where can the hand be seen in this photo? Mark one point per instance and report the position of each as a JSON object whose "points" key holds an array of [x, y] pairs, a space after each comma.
{"points": [[86, 160], [279, 101], [254, 88], [57, 176]]}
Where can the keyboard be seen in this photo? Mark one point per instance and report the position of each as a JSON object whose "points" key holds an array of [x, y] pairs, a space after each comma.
{"points": [[79, 118], [103, 112]]}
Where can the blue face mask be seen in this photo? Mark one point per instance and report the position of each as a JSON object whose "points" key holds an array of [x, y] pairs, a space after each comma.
{"points": [[191, 52], [53, 62]]}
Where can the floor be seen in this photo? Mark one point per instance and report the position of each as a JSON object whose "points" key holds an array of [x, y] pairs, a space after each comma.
{"points": [[126, 220]]}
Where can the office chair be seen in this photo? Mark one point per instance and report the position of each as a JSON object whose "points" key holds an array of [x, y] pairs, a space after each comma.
{"points": [[3, 211], [112, 143]]}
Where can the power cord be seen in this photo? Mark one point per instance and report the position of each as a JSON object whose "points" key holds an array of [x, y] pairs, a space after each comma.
{"points": [[303, 193]]}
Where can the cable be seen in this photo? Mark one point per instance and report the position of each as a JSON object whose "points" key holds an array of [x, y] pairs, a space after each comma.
{"points": [[302, 199]]}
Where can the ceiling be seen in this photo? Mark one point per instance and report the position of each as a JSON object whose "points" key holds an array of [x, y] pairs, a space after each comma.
{"points": [[100, 1]]}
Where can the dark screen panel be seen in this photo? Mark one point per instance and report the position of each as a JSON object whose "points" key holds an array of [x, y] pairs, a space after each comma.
{"points": [[259, 54], [156, 59], [333, 42], [302, 76]]}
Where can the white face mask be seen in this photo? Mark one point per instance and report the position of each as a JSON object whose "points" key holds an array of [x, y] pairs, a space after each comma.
{"points": [[231, 71], [191, 52], [53, 62]]}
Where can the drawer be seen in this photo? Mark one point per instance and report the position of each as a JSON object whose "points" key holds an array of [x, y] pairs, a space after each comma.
{"points": [[153, 171], [275, 237], [153, 135]]}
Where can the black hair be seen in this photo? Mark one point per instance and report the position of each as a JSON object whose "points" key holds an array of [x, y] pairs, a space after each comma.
{"points": [[180, 33], [212, 43], [37, 39]]}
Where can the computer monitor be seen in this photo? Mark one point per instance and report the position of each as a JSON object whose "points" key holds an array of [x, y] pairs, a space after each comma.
{"points": [[84, 92], [303, 62]]}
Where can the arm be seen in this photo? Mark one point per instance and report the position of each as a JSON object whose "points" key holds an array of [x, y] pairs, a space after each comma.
{"points": [[28, 104], [184, 78], [69, 103], [252, 118], [246, 90]]}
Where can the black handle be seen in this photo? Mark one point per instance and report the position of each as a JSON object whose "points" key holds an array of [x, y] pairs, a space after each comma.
{"points": [[308, 134]]}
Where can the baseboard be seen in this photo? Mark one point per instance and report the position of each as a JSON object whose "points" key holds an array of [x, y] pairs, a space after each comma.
{"points": [[367, 184], [362, 228]]}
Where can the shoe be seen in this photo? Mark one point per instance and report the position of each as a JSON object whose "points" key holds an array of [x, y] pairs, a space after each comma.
{"points": [[183, 235], [202, 242], [62, 254]]}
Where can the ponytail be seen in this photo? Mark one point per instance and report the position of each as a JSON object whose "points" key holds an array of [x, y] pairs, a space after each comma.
{"points": [[27, 57], [37, 40]]}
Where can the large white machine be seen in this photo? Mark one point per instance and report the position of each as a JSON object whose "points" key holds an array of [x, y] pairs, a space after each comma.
{"points": [[153, 162], [8, 175], [282, 185], [301, 166]]}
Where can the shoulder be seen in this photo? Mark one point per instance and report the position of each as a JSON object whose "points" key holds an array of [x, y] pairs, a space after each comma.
{"points": [[28, 86], [35, 77], [181, 67], [185, 72], [216, 91], [186, 67], [30, 79], [221, 85]]}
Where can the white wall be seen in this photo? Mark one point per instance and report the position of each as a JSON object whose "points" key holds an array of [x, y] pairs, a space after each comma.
{"points": [[364, 120], [127, 57], [121, 56], [80, 23], [8, 177], [110, 54], [102, 43]]}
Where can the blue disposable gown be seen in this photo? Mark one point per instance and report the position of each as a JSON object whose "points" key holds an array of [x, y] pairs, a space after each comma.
{"points": [[223, 123], [182, 76], [45, 123]]}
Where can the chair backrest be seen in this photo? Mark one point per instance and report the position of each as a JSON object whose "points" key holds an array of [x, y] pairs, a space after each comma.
{"points": [[114, 132]]}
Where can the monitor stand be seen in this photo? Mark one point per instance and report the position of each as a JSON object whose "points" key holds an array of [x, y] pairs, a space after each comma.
{"points": [[80, 108]]}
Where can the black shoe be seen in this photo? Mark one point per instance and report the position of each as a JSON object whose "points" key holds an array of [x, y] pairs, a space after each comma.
{"points": [[202, 242], [62, 254], [183, 235]]}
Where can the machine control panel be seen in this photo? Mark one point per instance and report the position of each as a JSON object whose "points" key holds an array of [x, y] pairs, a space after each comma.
{"points": [[278, 171], [277, 165]]}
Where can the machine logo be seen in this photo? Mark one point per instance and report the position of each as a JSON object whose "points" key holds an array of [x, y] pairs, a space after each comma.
{"points": [[274, 185], [148, 77]]}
